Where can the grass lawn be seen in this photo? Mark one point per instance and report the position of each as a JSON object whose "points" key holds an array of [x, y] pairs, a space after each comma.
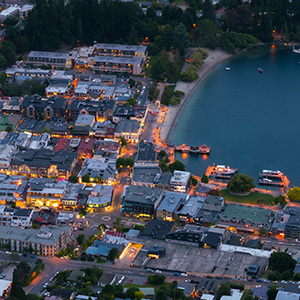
{"points": [[153, 60], [156, 287], [252, 198]]}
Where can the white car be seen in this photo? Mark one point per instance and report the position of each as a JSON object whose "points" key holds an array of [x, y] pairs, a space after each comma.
{"points": [[158, 271], [183, 274]]}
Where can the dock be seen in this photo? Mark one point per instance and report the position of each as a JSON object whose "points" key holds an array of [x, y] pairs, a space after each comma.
{"points": [[276, 178], [202, 149]]}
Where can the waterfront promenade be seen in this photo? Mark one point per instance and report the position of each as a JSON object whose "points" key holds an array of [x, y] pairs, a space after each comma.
{"points": [[172, 115]]}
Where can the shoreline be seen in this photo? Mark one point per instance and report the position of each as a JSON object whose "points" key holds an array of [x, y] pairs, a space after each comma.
{"points": [[215, 57]]}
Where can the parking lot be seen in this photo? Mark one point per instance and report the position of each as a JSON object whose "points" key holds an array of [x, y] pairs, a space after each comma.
{"points": [[183, 258]]}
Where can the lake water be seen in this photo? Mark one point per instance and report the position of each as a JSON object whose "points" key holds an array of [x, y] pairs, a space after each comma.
{"points": [[250, 120]]}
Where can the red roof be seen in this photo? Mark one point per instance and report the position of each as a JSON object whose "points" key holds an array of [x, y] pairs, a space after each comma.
{"points": [[114, 233], [85, 145], [62, 144]]}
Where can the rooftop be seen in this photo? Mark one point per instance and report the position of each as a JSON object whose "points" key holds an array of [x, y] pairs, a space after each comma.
{"points": [[146, 152], [48, 55], [118, 60], [136, 48], [145, 174], [142, 194], [171, 201], [249, 214]]}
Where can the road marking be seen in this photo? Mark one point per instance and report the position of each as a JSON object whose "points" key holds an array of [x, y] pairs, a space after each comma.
{"points": [[106, 218]]}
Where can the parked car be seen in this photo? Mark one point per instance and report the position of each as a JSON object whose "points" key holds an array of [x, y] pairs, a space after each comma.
{"points": [[32, 256], [158, 271], [176, 274]]}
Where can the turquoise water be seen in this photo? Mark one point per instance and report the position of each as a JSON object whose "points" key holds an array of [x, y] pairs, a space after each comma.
{"points": [[250, 120]]}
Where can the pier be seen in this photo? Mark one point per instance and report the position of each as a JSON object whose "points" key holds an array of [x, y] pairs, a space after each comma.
{"points": [[276, 178], [203, 149]]}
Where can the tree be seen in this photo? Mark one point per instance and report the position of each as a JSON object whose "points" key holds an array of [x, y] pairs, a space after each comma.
{"points": [[113, 254], [161, 294], [73, 179], [194, 181], [204, 178], [272, 292], [208, 10], [280, 199], [240, 183], [16, 289], [35, 226], [207, 33], [162, 154], [9, 128], [120, 163], [14, 257], [129, 162], [131, 102], [156, 279], [80, 238], [82, 212], [177, 165], [130, 293], [86, 178], [262, 231], [281, 261], [224, 289], [139, 295], [131, 82], [214, 192], [123, 141], [294, 194]]}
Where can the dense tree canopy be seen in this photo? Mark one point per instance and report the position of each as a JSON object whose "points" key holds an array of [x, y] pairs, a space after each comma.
{"points": [[281, 261], [294, 194], [240, 183]]}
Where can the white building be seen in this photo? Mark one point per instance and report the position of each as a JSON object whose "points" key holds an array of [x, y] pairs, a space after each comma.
{"points": [[25, 10], [235, 295], [12, 11], [22, 218], [180, 181], [6, 153]]}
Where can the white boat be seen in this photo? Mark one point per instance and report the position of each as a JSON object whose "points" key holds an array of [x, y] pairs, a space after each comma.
{"points": [[227, 69], [272, 173], [296, 50]]}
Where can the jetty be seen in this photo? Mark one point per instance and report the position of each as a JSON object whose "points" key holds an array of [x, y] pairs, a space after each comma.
{"points": [[277, 178], [202, 149]]}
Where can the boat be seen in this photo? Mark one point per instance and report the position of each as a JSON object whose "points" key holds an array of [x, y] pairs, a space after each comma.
{"points": [[221, 171], [272, 173], [203, 149], [227, 69], [260, 70], [296, 50]]}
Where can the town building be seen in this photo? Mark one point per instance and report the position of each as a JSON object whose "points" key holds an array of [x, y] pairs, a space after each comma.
{"points": [[103, 63], [146, 154], [26, 8], [86, 148], [21, 218], [71, 195], [158, 229], [6, 154], [46, 241], [107, 148], [128, 129], [39, 107], [54, 59], [100, 198], [189, 212], [104, 168], [140, 200], [102, 110], [34, 74], [102, 249], [45, 217], [138, 113], [170, 204], [12, 188], [145, 175], [12, 11], [180, 181], [116, 50], [83, 124], [43, 163], [43, 192], [81, 90]]}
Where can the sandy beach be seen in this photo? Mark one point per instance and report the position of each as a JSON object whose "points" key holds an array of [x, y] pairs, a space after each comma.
{"points": [[173, 112]]}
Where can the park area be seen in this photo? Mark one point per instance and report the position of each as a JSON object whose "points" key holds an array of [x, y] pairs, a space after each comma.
{"points": [[252, 198]]}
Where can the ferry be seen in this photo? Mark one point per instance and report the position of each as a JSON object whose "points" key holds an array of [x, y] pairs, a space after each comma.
{"points": [[227, 69], [272, 173], [268, 181], [260, 70], [224, 172], [296, 50]]}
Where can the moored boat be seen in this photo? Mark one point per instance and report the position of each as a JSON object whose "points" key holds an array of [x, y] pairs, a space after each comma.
{"points": [[260, 70], [203, 149]]}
